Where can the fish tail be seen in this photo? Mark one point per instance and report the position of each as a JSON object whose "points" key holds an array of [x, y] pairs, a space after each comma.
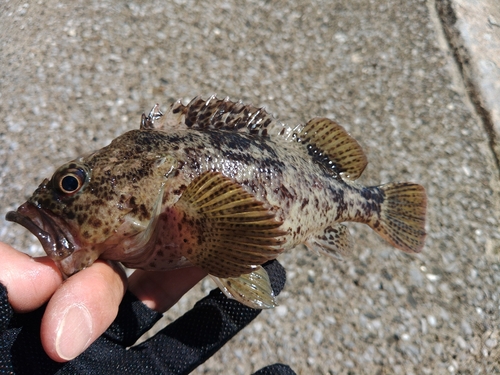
{"points": [[401, 220]]}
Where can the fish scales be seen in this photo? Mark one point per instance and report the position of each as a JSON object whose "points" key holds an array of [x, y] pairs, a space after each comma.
{"points": [[297, 199], [220, 185]]}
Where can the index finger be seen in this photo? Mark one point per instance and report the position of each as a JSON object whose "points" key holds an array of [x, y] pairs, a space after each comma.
{"points": [[30, 282]]}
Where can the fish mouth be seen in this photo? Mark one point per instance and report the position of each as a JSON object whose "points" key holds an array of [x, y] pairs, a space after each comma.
{"points": [[53, 233]]}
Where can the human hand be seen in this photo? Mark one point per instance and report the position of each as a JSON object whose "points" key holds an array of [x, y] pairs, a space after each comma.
{"points": [[81, 309]]}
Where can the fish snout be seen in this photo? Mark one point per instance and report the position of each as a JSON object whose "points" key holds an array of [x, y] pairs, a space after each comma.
{"points": [[53, 234]]}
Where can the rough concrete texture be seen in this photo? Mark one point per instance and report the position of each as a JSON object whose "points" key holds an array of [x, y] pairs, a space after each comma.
{"points": [[472, 29], [75, 76]]}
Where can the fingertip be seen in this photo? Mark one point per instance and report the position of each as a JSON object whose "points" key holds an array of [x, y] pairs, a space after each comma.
{"points": [[81, 310], [29, 281]]}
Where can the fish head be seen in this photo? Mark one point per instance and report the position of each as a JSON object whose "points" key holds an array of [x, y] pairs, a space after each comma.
{"points": [[100, 204]]}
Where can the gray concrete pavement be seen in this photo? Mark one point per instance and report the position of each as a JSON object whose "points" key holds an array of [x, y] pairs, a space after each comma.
{"points": [[73, 77]]}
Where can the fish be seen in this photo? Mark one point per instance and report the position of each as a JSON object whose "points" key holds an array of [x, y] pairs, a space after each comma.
{"points": [[220, 185]]}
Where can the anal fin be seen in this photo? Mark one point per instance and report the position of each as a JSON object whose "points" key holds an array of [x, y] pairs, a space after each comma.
{"points": [[252, 289], [336, 242]]}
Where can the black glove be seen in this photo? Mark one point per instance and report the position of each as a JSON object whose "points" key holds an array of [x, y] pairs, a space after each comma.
{"points": [[177, 349]]}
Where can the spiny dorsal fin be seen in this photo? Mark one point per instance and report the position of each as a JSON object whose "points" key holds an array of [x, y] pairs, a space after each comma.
{"points": [[153, 119], [331, 146], [214, 113], [228, 231]]}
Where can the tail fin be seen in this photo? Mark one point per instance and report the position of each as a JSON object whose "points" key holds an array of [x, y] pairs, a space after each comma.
{"points": [[402, 216]]}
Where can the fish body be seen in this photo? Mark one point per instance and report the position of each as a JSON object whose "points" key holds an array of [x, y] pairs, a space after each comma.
{"points": [[222, 186]]}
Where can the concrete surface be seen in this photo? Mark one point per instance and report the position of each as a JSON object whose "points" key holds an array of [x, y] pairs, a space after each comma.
{"points": [[472, 29], [73, 77]]}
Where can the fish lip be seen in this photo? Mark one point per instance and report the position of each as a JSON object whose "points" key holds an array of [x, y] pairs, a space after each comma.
{"points": [[53, 234]]}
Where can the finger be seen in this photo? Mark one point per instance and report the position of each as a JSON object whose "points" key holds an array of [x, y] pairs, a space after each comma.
{"points": [[29, 281], [81, 310], [161, 290]]}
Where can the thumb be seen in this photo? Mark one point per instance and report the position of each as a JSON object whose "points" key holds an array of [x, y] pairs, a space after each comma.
{"points": [[81, 310]]}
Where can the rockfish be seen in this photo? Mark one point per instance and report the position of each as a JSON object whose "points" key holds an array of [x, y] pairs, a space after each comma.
{"points": [[222, 186]]}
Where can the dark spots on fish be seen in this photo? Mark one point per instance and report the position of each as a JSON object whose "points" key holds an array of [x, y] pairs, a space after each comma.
{"points": [[86, 234], [179, 227], [143, 211], [70, 215], [180, 190], [203, 117], [44, 202], [160, 253], [95, 222], [82, 218], [373, 194], [254, 187], [152, 264], [195, 164], [285, 195], [106, 231], [305, 201], [189, 251], [340, 201], [229, 143], [316, 203], [200, 239], [98, 202]]}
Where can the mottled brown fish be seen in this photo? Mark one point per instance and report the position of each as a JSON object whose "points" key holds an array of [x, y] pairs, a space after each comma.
{"points": [[220, 185]]}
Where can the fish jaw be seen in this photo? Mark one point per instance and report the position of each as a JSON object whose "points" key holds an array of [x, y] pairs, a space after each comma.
{"points": [[59, 241], [54, 234], [57, 238]]}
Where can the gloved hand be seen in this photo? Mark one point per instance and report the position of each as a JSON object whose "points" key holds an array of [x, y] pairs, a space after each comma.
{"points": [[177, 349]]}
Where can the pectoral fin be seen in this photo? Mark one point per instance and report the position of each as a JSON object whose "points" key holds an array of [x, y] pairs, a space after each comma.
{"points": [[336, 241], [226, 230], [252, 289]]}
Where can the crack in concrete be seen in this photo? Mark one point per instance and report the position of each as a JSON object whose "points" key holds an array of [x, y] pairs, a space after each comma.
{"points": [[448, 19]]}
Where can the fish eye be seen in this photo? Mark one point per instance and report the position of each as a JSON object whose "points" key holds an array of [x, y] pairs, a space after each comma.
{"points": [[69, 183], [71, 180]]}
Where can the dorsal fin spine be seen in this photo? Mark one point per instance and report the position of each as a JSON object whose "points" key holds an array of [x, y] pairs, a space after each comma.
{"points": [[220, 114]]}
